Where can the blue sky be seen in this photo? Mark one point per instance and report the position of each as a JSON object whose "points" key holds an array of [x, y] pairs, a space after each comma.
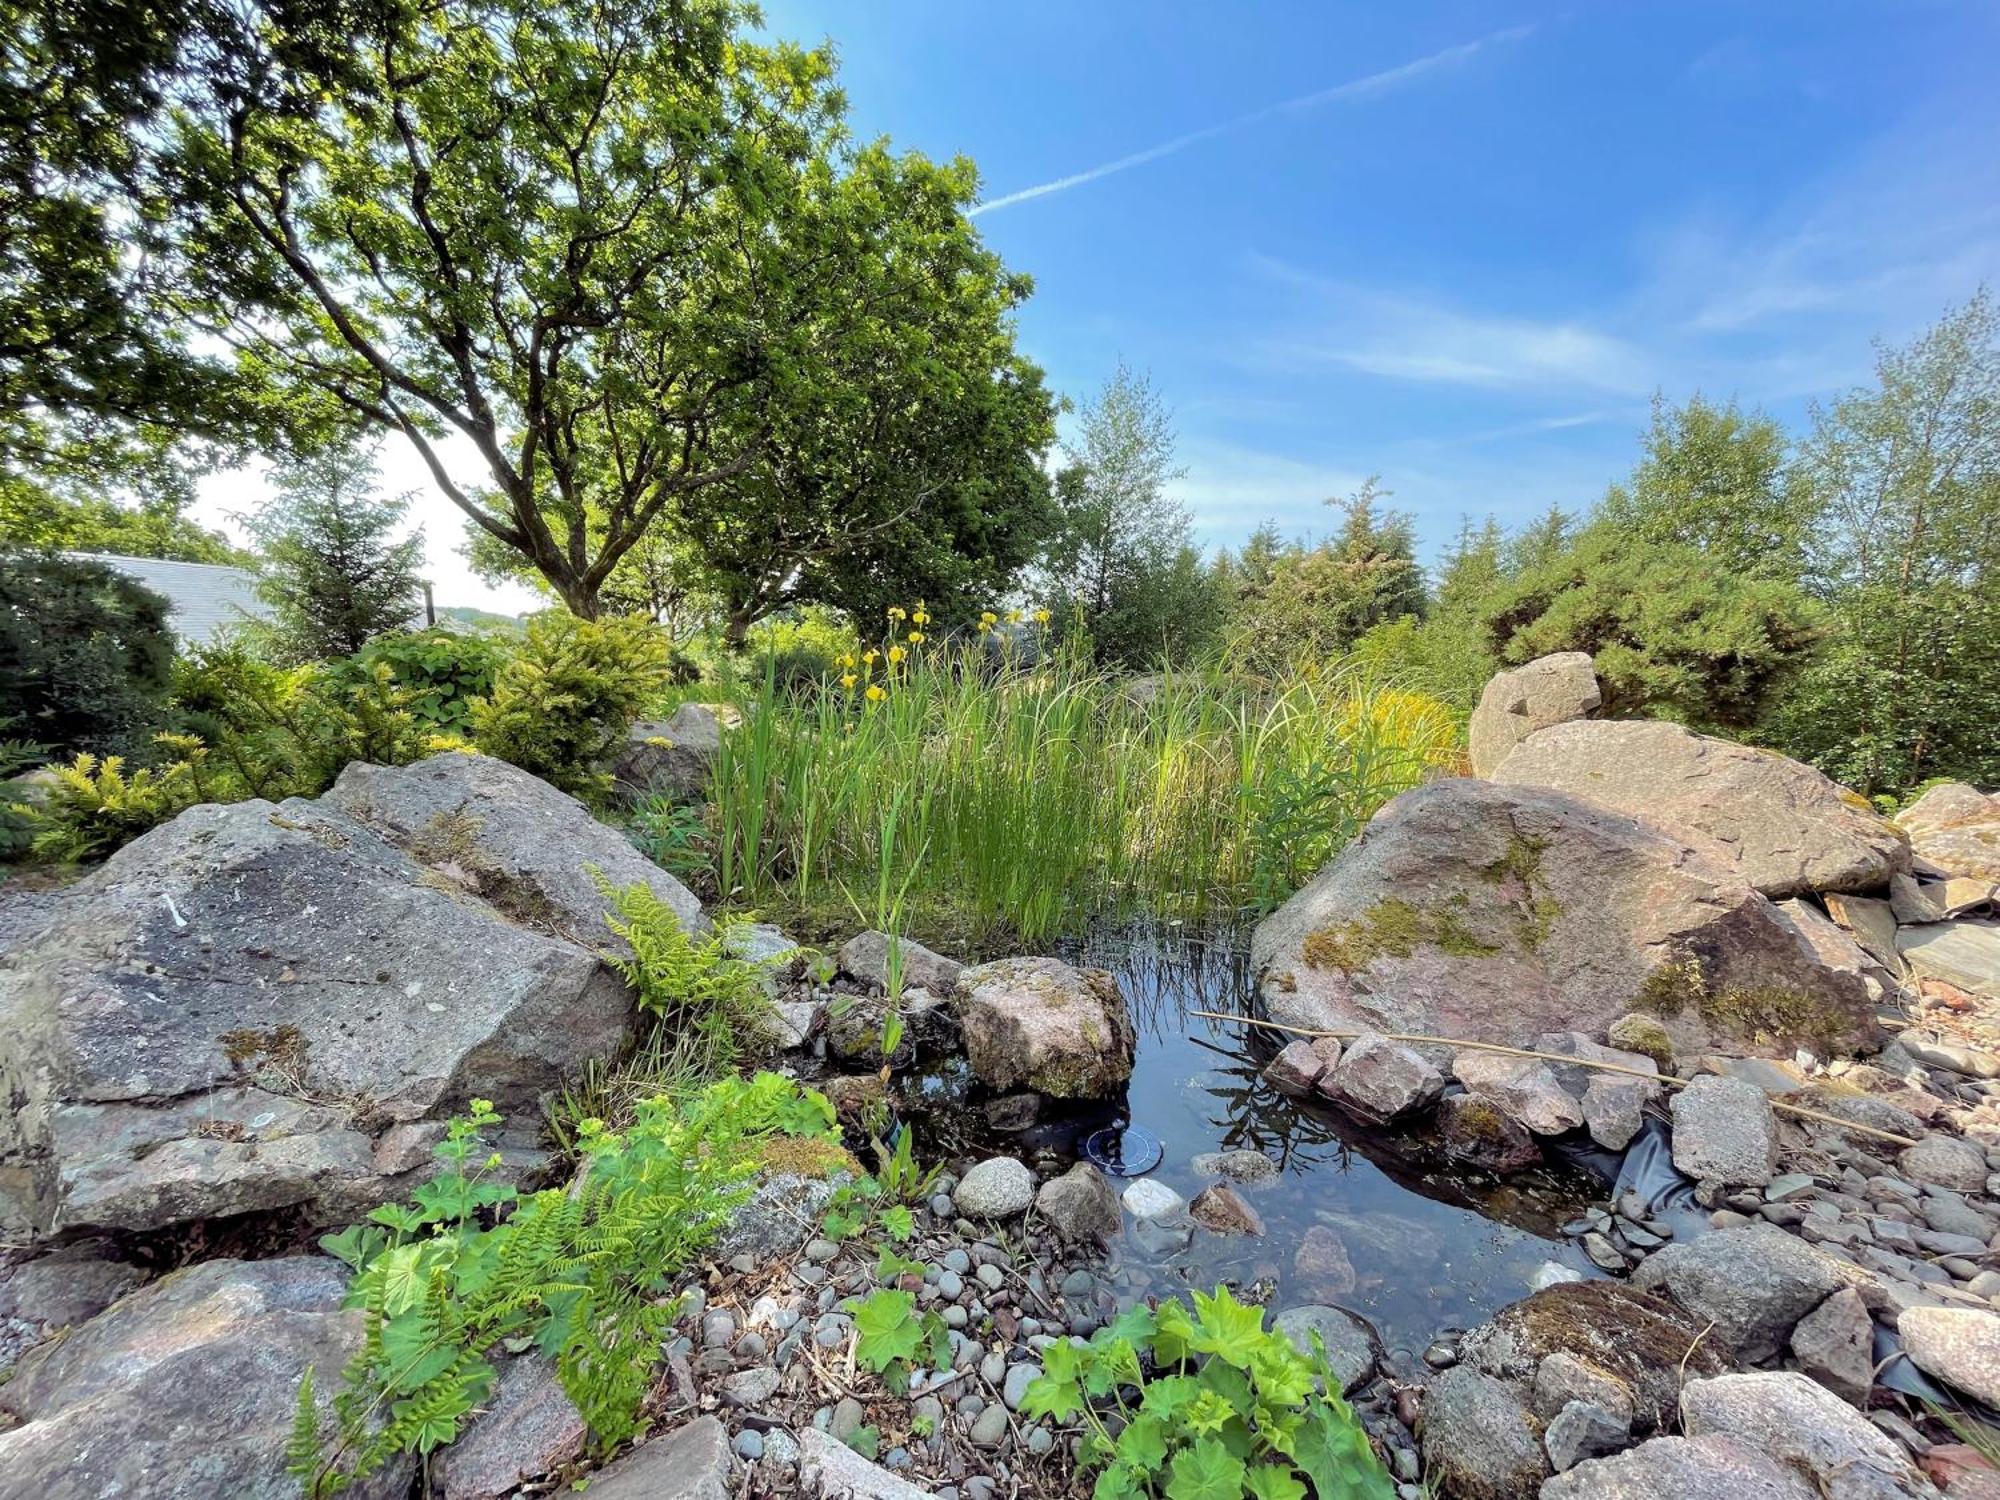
{"points": [[1457, 244]]}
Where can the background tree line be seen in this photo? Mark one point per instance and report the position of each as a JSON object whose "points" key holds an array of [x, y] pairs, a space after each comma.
{"points": [[1835, 594], [720, 362]]}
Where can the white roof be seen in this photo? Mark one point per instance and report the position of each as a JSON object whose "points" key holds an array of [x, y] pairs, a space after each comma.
{"points": [[203, 599]]}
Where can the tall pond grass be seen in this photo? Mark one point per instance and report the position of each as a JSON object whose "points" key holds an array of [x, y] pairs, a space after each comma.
{"points": [[1038, 798]]}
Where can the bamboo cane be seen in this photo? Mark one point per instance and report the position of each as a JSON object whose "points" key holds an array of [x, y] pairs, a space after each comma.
{"points": [[1554, 1057]]}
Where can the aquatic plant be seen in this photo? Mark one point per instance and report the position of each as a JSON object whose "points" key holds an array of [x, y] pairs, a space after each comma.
{"points": [[1028, 789]]}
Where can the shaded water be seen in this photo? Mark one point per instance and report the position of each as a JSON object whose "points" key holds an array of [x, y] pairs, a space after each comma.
{"points": [[1432, 1244]]}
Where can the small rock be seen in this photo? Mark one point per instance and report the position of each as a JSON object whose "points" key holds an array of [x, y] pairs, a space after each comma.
{"points": [[1724, 1130], [1351, 1343], [1478, 1131], [1671, 1468], [828, 1467], [1958, 1345], [694, 1462], [1378, 1079], [1081, 1205], [1834, 1344], [751, 1387], [1787, 1417], [1582, 1430], [1149, 1198], [1945, 1161], [1322, 1261], [1755, 1283], [989, 1427], [1641, 1033], [1479, 1439], [1563, 1378], [1245, 1167], [1295, 1069], [1014, 1389], [1526, 1088], [997, 1188], [1221, 1208], [1614, 1108]]}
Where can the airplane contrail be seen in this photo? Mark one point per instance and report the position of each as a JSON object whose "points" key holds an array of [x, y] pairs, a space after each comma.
{"points": [[1357, 88]]}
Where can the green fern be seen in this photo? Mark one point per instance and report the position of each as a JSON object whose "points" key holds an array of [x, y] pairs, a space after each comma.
{"points": [[583, 1274]]}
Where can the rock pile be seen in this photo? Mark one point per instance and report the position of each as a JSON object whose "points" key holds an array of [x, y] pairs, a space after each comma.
{"points": [[261, 1007]]}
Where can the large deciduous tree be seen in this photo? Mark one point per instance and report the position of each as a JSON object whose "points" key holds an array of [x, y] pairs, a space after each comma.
{"points": [[537, 230], [1903, 481], [626, 256]]}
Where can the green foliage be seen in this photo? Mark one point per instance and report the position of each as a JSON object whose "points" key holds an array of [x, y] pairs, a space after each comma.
{"points": [[252, 730], [17, 816], [582, 1274], [1903, 480], [1040, 798], [330, 572], [43, 519], [1712, 478], [85, 654], [562, 706], [1317, 602], [714, 1005], [1227, 1409], [442, 670], [93, 807], [1669, 632]]}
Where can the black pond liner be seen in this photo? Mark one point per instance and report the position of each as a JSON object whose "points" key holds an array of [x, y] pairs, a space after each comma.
{"points": [[1646, 1168]]}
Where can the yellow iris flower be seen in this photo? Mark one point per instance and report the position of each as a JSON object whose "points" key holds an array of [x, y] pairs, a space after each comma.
{"points": [[875, 693], [916, 637], [896, 654]]}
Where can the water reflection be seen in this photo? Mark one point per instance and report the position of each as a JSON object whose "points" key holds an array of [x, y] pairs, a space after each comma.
{"points": [[1428, 1244]]}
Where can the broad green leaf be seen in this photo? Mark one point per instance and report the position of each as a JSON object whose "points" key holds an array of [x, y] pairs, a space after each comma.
{"points": [[1143, 1443], [1205, 1471], [1274, 1482], [888, 1329], [1227, 1328]]}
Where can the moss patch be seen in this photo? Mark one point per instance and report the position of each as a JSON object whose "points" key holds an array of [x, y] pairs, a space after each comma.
{"points": [[1759, 1014], [808, 1156]]}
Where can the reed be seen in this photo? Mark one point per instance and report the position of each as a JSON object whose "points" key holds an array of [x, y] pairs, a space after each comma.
{"points": [[1045, 795]]}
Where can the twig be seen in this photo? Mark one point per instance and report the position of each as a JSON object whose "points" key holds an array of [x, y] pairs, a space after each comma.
{"points": [[1554, 1057]]}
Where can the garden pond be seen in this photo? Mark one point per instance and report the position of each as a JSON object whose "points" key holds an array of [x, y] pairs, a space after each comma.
{"points": [[1434, 1245]]}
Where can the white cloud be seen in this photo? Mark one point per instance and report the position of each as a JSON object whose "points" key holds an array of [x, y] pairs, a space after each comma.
{"points": [[1405, 338], [1368, 87]]}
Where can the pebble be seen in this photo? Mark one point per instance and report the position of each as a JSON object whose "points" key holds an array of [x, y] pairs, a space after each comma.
{"points": [[717, 1329], [989, 1427], [849, 1417], [957, 1260], [1019, 1378], [990, 1276], [749, 1445], [950, 1285], [780, 1447]]}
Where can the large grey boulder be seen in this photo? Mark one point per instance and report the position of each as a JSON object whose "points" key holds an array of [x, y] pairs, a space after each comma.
{"points": [[1955, 829], [234, 1011], [1754, 1282], [675, 756], [1787, 1417], [186, 1387], [1492, 913], [1672, 1468], [1516, 703], [530, 851], [1781, 825], [1038, 1023]]}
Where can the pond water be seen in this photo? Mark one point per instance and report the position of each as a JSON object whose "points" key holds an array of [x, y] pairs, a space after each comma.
{"points": [[1432, 1244]]}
